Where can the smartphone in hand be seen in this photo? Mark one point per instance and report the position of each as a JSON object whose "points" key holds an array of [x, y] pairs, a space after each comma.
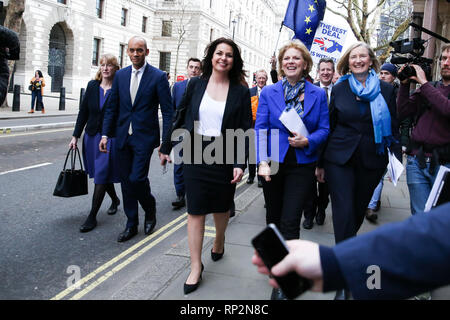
{"points": [[272, 248]]}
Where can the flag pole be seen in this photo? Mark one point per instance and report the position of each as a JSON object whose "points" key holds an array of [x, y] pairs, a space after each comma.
{"points": [[278, 40]]}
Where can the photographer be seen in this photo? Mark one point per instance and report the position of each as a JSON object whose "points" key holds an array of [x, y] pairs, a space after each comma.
{"points": [[429, 145]]}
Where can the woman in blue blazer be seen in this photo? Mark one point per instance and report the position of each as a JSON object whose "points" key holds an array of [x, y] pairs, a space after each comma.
{"points": [[103, 167], [287, 160]]}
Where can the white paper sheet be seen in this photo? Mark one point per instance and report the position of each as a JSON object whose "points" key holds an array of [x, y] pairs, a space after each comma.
{"points": [[437, 187], [395, 168], [292, 121]]}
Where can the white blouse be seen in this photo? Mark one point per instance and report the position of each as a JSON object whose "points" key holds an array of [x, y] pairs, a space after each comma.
{"points": [[210, 116]]}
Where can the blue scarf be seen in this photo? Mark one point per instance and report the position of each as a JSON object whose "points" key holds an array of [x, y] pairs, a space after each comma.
{"points": [[292, 95], [381, 117]]}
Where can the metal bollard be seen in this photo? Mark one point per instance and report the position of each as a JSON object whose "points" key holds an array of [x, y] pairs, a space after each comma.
{"points": [[82, 91], [16, 98], [62, 99]]}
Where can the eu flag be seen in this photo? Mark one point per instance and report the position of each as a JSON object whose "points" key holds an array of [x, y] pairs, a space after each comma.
{"points": [[303, 17]]}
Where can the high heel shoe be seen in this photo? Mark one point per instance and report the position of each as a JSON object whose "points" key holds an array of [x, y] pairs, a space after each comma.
{"points": [[217, 256], [113, 208], [188, 288]]}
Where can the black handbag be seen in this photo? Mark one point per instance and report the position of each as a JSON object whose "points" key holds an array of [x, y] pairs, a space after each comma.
{"points": [[30, 87], [71, 182]]}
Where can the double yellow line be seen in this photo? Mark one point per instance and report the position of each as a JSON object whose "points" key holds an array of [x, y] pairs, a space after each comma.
{"points": [[165, 232]]}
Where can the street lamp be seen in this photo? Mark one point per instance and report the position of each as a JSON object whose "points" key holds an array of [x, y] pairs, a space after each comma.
{"points": [[234, 26]]}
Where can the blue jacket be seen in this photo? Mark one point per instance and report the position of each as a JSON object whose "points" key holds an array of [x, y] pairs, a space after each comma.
{"points": [[315, 117], [413, 256], [178, 90], [153, 91]]}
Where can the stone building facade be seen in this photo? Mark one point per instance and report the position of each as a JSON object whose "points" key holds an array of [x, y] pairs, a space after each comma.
{"points": [[65, 38], [433, 15]]}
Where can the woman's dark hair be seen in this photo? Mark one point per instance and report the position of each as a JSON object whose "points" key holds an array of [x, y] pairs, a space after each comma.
{"points": [[236, 73], [39, 73]]}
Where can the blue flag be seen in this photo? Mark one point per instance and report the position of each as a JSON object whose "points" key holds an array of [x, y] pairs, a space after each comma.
{"points": [[303, 17]]}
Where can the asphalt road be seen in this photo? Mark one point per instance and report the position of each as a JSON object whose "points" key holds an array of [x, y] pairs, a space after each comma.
{"points": [[40, 242]]}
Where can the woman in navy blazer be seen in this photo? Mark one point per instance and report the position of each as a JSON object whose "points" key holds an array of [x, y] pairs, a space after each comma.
{"points": [[289, 177], [100, 166], [363, 124]]}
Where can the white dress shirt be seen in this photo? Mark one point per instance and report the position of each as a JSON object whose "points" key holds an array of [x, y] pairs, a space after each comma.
{"points": [[210, 116]]}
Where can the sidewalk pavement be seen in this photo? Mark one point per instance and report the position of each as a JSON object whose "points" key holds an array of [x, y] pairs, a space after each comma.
{"points": [[51, 105], [235, 278]]}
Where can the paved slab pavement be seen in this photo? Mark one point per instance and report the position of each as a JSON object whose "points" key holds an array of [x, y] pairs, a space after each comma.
{"points": [[235, 278], [51, 104]]}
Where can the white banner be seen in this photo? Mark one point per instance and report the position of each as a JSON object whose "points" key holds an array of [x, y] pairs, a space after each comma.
{"points": [[328, 42]]}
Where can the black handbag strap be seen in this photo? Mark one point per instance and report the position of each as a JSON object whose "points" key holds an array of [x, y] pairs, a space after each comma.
{"points": [[73, 158]]}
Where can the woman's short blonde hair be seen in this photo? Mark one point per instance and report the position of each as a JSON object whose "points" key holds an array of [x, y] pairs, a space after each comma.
{"points": [[343, 64], [296, 44], [108, 59]]}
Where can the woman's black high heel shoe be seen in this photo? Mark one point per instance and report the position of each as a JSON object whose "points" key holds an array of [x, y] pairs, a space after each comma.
{"points": [[113, 208], [217, 256], [188, 288]]}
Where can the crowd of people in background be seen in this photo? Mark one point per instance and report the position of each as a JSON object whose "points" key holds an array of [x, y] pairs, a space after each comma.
{"points": [[354, 115]]}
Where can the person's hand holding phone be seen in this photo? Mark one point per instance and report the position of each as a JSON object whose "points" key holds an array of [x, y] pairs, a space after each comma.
{"points": [[303, 258]]}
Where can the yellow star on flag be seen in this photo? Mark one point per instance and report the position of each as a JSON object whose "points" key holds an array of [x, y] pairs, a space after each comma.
{"points": [[311, 8], [308, 19], [315, 1], [308, 31]]}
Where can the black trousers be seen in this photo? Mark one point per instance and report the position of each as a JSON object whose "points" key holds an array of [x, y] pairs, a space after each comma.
{"points": [[351, 187], [318, 201], [286, 195]]}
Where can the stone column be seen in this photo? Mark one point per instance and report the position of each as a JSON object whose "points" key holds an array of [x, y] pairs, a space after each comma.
{"points": [[429, 22]]}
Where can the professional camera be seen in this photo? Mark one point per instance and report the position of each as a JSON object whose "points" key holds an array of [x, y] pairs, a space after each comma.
{"points": [[9, 42], [413, 49]]}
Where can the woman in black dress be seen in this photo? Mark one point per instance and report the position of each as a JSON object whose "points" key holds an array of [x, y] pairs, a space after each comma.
{"points": [[103, 167], [213, 103]]}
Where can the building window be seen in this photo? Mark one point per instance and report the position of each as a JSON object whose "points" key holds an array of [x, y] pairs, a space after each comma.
{"points": [[144, 24], [96, 52], [99, 8], [121, 55], [123, 18], [211, 35], [62, 1], [164, 61], [166, 28]]}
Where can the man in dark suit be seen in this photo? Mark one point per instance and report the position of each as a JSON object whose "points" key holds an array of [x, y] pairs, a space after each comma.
{"points": [[132, 117], [318, 202], [378, 264], [261, 81], [194, 69]]}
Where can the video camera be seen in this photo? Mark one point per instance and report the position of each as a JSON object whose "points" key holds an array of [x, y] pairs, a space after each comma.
{"points": [[414, 50], [9, 42]]}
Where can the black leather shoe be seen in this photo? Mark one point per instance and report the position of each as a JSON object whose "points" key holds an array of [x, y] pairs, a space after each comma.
{"points": [[371, 215], [179, 203], [113, 209], [217, 256], [320, 217], [88, 225], [308, 223], [149, 223], [127, 234], [188, 288], [250, 180], [277, 294], [342, 295]]}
